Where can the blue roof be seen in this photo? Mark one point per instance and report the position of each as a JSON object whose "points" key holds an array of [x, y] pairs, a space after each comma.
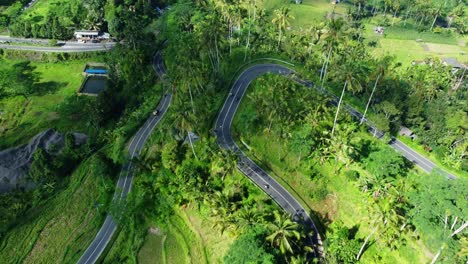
{"points": [[96, 71]]}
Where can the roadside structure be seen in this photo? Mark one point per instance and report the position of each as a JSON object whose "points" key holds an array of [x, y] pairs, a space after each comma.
{"points": [[84, 36], [454, 63]]}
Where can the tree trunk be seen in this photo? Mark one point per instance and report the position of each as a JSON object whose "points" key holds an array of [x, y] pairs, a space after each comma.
{"points": [[279, 38], [325, 62], [326, 66], [433, 22], [338, 107], [230, 36], [459, 81], [191, 100], [459, 229], [370, 99], [437, 255], [190, 140], [407, 14], [365, 243], [247, 44]]}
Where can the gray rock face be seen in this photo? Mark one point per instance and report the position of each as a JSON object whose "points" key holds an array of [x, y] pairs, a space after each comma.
{"points": [[14, 162]]}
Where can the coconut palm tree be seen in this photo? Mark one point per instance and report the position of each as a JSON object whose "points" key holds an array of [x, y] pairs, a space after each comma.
{"points": [[248, 216], [282, 20], [283, 232], [383, 65], [185, 121], [333, 37], [228, 162]]}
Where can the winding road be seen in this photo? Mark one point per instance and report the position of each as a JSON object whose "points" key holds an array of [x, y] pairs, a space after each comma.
{"points": [[124, 184], [262, 179], [224, 138]]}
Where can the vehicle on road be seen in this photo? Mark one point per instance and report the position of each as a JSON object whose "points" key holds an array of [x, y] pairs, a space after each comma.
{"points": [[156, 112]]}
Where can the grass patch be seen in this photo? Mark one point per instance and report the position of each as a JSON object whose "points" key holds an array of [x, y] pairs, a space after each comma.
{"points": [[62, 227], [152, 250], [400, 40], [37, 13], [195, 251], [408, 31], [22, 118], [311, 12], [406, 51], [176, 249]]}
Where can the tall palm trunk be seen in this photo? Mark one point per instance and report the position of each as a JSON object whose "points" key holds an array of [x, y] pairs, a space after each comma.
{"points": [[247, 44], [394, 16], [230, 36], [338, 108], [191, 144], [280, 36], [370, 99], [365, 243], [433, 22], [407, 15], [325, 65], [191, 100], [437, 15]]}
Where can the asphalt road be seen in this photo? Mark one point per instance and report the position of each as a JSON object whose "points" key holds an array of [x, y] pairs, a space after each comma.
{"points": [[416, 158], [124, 184], [264, 181], [63, 46]]}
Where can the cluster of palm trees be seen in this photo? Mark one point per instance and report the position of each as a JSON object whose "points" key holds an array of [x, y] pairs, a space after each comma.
{"points": [[231, 214]]}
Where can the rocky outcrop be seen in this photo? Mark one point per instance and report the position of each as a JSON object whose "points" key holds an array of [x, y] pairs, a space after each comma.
{"points": [[14, 162]]}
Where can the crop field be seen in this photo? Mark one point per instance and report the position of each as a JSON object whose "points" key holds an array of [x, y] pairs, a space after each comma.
{"points": [[62, 227]]}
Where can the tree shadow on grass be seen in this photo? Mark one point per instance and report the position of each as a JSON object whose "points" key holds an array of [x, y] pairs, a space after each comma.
{"points": [[44, 88], [36, 19]]}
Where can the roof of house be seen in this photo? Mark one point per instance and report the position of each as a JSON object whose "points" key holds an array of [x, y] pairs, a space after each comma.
{"points": [[404, 131], [87, 32], [452, 62]]}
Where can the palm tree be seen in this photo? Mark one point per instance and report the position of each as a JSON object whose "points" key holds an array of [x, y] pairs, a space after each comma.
{"points": [[228, 162], [333, 37], [351, 71], [284, 230], [282, 20], [383, 64], [248, 216], [185, 120]]}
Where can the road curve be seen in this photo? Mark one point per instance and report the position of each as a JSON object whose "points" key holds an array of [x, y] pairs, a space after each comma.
{"points": [[264, 181], [124, 184]]}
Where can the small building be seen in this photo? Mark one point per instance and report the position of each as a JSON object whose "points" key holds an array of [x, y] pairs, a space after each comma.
{"points": [[404, 131], [86, 35], [453, 62]]}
